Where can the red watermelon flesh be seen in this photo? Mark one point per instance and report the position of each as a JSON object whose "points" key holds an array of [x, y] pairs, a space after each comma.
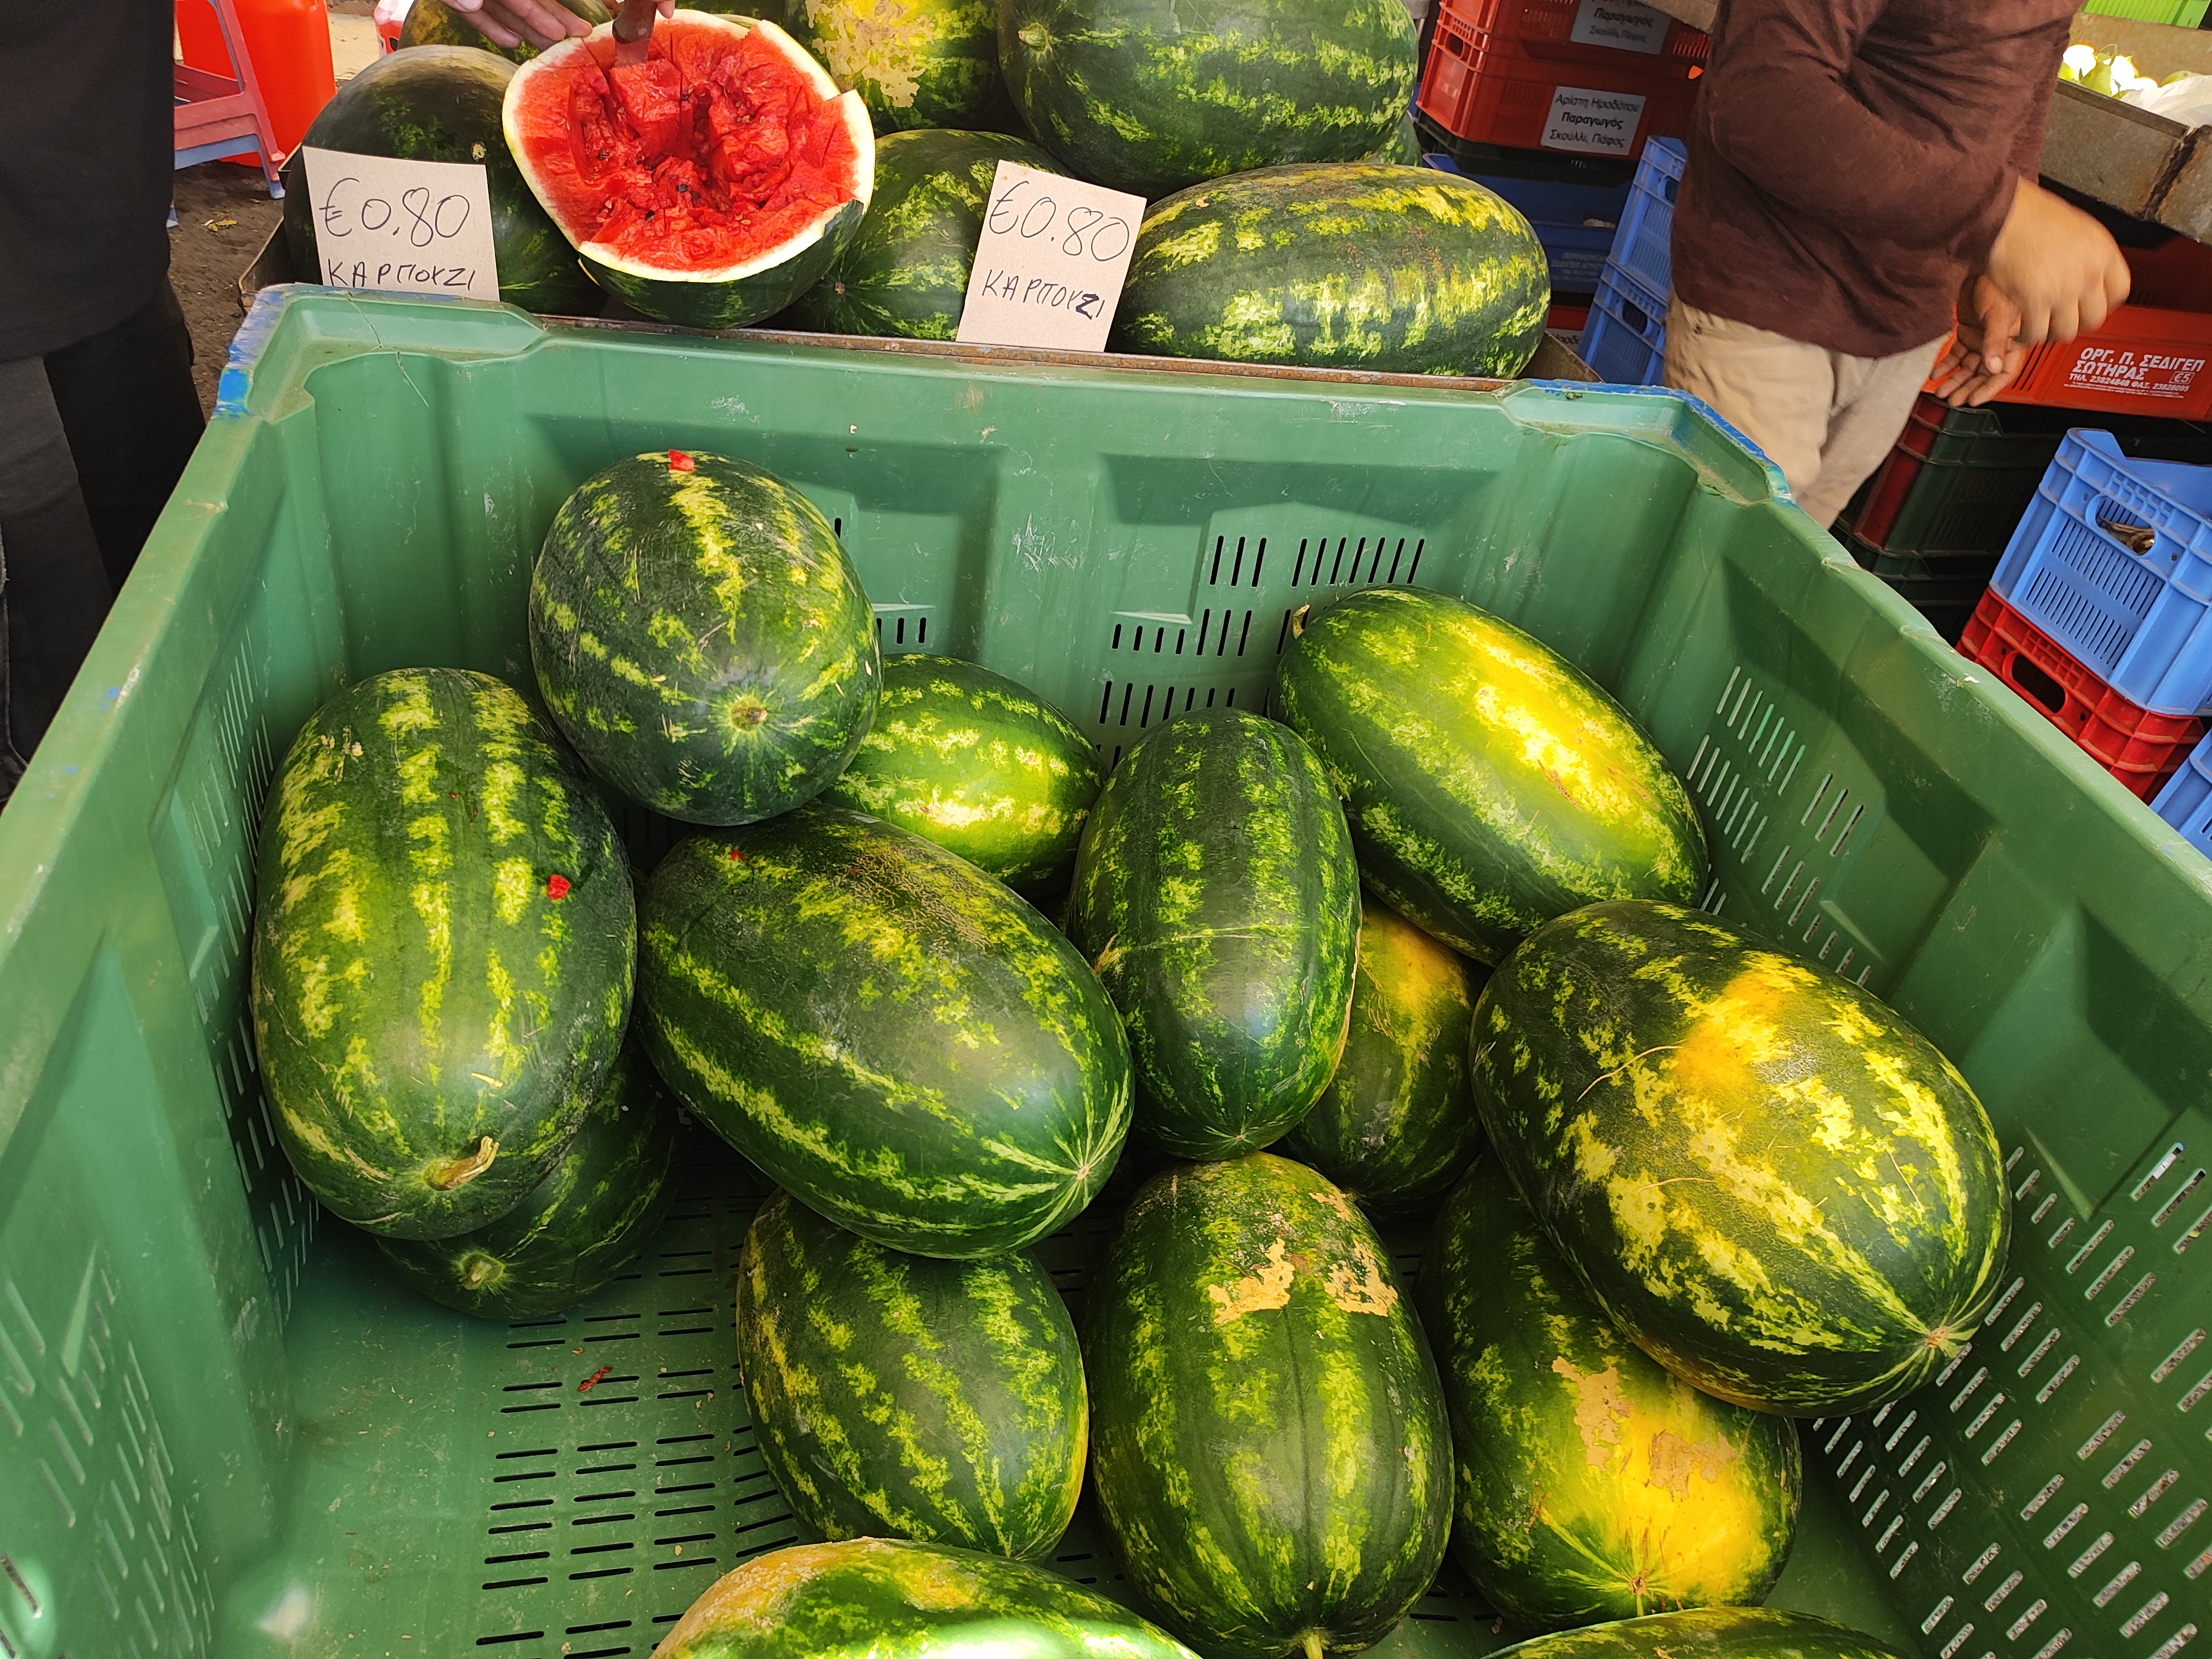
{"points": [[729, 151]]}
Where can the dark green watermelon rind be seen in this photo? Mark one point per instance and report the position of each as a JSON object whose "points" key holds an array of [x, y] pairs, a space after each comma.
{"points": [[1216, 895], [1402, 147], [969, 759], [1707, 1633], [1423, 710], [883, 1029], [701, 638], [422, 986], [1269, 1443], [1779, 1187], [1354, 265], [1397, 1124], [1592, 1483], [905, 270], [732, 301], [916, 64], [893, 1397], [1149, 97], [895, 1600], [442, 103], [595, 1209]]}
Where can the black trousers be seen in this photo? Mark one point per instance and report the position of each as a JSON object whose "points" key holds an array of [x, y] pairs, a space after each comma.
{"points": [[93, 438]]}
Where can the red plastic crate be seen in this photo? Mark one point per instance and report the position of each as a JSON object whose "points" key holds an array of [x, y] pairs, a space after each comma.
{"points": [[2141, 748], [1586, 31], [1569, 317], [1487, 83]]}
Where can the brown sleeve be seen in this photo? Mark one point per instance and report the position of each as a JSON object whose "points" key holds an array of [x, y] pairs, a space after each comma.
{"points": [[2026, 160], [1779, 112]]}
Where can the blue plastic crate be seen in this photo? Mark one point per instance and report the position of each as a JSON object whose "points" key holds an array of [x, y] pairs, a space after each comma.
{"points": [[2186, 801], [1644, 242], [2141, 621], [1624, 342], [1577, 224]]}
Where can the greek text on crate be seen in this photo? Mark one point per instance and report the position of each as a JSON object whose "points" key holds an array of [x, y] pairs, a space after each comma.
{"points": [[1040, 291], [405, 274]]}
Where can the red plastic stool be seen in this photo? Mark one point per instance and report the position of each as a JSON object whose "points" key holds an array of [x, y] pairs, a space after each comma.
{"points": [[220, 115]]}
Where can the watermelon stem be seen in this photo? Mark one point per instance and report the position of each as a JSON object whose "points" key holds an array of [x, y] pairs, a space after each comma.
{"points": [[1313, 1644], [446, 1173]]}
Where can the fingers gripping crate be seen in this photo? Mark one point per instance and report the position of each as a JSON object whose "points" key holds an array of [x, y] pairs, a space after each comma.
{"points": [[2186, 801], [2113, 560], [225, 1430]]}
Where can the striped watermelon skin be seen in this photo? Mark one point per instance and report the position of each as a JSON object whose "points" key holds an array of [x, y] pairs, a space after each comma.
{"points": [[915, 62], [596, 1208], [1707, 1633], [1402, 147], [701, 637], [1397, 1125], [1151, 95], [443, 103], [896, 1396], [905, 272], [1216, 895], [1491, 785], [1269, 1442], [444, 942], [885, 1030], [1775, 1185], [973, 761], [895, 1600], [1592, 1483], [1355, 265]]}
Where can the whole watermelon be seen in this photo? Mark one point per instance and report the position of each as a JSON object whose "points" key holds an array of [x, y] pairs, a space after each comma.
{"points": [[1216, 895], [1357, 265], [1769, 1180], [701, 637], [905, 271], [1491, 785], [1396, 1124], [898, 1397], [442, 103], [434, 23], [1269, 1443], [885, 1030], [915, 62], [444, 943], [1592, 1483], [1151, 96], [1707, 1633], [597, 1207], [893, 1599], [974, 762]]}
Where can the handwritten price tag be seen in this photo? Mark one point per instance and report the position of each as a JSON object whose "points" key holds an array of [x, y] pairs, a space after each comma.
{"points": [[1049, 266], [414, 226]]}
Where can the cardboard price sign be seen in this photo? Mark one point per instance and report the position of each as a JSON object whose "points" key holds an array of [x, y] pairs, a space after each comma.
{"points": [[410, 227], [1050, 263]]}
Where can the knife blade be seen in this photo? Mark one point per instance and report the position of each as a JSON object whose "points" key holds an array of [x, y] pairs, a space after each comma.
{"points": [[633, 30]]}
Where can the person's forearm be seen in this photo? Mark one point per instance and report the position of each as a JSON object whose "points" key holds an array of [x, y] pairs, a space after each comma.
{"points": [[1779, 113]]}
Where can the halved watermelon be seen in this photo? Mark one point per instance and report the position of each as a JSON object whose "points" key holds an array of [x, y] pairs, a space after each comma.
{"points": [[710, 186]]}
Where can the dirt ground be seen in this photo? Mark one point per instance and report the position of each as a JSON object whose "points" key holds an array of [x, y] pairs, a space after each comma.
{"points": [[224, 214]]}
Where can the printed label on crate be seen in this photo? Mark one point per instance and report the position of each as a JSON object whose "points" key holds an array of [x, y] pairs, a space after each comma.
{"points": [[1601, 123], [2162, 375], [1617, 23], [1049, 265], [412, 226]]}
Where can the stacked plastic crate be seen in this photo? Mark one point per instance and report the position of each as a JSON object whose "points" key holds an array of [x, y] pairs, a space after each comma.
{"points": [[1626, 339], [1549, 103], [2100, 615]]}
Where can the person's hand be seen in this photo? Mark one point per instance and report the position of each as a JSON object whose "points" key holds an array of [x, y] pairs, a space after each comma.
{"points": [[2059, 268], [1985, 355], [541, 22]]}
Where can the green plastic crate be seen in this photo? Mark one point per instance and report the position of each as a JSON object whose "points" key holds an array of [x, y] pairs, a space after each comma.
{"points": [[223, 1431], [2182, 14]]}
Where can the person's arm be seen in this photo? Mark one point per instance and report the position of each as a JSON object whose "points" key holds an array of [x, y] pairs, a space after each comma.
{"points": [[541, 22], [1779, 112]]}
